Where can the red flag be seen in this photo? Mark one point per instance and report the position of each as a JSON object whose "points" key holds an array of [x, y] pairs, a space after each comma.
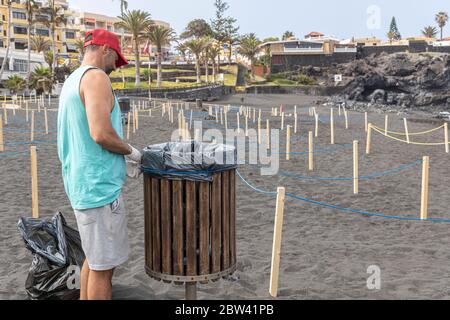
{"points": [[147, 47]]}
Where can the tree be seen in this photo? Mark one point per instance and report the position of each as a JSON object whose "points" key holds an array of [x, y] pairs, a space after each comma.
{"points": [[196, 47], [123, 6], [137, 23], [55, 18], [31, 7], [441, 19], [220, 23], [232, 36], [213, 52], [160, 36], [181, 48], [8, 35], [287, 35], [394, 30], [271, 39], [249, 47], [430, 32], [41, 80], [197, 28], [49, 59], [79, 44], [391, 36], [15, 83], [40, 44]]}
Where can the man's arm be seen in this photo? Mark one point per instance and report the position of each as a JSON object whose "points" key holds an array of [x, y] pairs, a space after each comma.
{"points": [[95, 90]]}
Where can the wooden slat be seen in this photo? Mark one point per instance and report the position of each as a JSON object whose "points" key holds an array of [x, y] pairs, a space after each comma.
{"points": [[166, 227], [156, 224], [204, 226], [177, 216], [233, 217], [216, 227], [225, 220], [191, 229], [148, 221]]}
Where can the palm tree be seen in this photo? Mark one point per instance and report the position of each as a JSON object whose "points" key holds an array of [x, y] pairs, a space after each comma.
{"points": [[41, 79], [49, 59], [137, 23], [160, 36], [2, 69], [213, 52], [288, 34], [40, 44], [430, 32], [55, 18], [123, 6], [15, 83], [181, 48], [31, 7], [79, 44], [249, 48], [196, 47], [441, 19], [208, 43]]}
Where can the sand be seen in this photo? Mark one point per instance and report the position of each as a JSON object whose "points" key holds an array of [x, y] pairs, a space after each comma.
{"points": [[325, 252]]}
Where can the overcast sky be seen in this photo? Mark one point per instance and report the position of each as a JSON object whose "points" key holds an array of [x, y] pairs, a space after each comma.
{"points": [[341, 18]]}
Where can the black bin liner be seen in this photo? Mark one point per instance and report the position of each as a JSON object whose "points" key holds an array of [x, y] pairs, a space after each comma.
{"points": [[188, 160], [55, 247]]}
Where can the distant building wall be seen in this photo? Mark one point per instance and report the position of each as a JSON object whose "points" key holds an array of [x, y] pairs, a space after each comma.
{"points": [[282, 63]]}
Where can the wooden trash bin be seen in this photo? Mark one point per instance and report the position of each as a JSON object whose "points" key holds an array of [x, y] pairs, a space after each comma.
{"points": [[190, 225]]}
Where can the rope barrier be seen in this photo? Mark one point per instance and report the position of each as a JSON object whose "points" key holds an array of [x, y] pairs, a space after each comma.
{"points": [[331, 206], [410, 134], [410, 142]]}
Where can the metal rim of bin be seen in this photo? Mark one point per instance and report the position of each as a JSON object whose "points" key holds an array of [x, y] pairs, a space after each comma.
{"points": [[189, 279]]}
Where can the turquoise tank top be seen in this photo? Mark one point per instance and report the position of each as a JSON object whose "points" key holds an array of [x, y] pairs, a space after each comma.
{"points": [[93, 176]]}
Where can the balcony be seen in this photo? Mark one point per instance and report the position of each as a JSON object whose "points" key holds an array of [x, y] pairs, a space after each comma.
{"points": [[304, 50], [345, 49]]}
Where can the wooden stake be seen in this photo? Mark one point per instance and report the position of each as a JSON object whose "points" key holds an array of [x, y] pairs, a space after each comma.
{"points": [[246, 126], [310, 151], [355, 167], [26, 110], [32, 126], [317, 124], [446, 137], [386, 122], [238, 125], [268, 133], [282, 121], [332, 126], [137, 119], [369, 138], [295, 122], [276, 249], [365, 121], [288, 143], [190, 120], [346, 119], [5, 113], [2, 146], [259, 131], [46, 120], [34, 183], [128, 125], [406, 129], [226, 121], [425, 184]]}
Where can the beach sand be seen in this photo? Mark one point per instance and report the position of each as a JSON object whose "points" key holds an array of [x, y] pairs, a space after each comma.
{"points": [[325, 252]]}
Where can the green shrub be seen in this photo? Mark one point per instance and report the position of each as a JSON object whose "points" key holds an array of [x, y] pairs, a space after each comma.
{"points": [[305, 80]]}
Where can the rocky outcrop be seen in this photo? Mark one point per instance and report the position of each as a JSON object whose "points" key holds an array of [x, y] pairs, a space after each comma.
{"points": [[402, 79]]}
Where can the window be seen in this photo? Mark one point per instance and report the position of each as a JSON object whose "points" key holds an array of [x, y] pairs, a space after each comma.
{"points": [[109, 28], [20, 45], [70, 35], [20, 65], [43, 32], [19, 15], [20, 30]]}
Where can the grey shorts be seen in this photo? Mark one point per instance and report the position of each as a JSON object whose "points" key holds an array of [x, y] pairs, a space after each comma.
{"points": [[104, 235]]}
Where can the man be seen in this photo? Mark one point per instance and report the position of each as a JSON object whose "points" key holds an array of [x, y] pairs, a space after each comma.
{"points": [[93, 157]]}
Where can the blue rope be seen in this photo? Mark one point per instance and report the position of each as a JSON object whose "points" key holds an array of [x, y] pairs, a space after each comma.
{"points": [[323, 204], [31, 142], [11, 154], [24, 131], [368, 177]]}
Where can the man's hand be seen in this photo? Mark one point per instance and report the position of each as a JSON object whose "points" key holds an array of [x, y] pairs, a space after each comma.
{"points": [[135, 155]]}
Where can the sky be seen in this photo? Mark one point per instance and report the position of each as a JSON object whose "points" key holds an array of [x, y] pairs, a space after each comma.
{"points": [[267, 18]]}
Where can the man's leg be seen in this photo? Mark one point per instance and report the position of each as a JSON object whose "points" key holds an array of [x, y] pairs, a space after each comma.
{"points": [[99, 285], [84, 281]]}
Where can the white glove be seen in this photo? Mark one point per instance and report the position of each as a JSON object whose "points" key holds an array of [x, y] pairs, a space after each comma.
{"points": [[133, 169], [135, 155]]}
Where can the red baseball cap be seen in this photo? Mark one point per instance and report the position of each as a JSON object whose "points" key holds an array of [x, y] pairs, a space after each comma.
{"points": [[100, 37]]}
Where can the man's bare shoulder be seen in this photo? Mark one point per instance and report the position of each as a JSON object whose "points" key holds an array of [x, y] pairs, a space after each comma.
{"points": [[95, 76]]}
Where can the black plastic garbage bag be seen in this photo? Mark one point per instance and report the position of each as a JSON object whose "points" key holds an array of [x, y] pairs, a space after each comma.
{"points": [[188, 160], [57, 258]]}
